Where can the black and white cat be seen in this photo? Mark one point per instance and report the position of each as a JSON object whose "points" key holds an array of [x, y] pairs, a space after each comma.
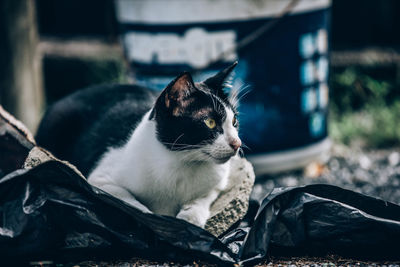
{"points": [[171, 153]]}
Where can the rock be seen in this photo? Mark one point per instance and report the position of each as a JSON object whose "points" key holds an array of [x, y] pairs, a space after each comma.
{"points": [[334, 164], [361, 177], [394, 158], [36, 157], [232, 204], [365, 162], [289, 181], [314, 169]]}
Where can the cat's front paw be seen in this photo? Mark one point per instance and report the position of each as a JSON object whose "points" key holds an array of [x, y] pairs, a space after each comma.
{"points": [[194, 215]]}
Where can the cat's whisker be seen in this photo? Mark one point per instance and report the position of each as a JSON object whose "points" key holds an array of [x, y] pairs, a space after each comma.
{"points": [[234, 95], [213, 101], [177, 140], [183, 148], [239, 91], [179, 144], [180, 147], [194, 156], [245, 146], [241, 96], [233, 98], [243, 87], [221, 106]]}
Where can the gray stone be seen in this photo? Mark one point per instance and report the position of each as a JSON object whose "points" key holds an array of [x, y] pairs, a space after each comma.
{"points": [[365, 162], [232, 204], [38, 155], [394, 158]]}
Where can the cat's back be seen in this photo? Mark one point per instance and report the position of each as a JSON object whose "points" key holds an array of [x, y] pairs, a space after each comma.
{"points": [[82, 126]]}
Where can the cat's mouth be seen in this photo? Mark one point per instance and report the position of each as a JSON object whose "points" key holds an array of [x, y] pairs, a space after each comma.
{"points": [[220, 159]]}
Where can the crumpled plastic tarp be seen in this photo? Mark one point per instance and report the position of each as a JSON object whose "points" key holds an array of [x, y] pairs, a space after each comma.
{"points": [[50, 212]]}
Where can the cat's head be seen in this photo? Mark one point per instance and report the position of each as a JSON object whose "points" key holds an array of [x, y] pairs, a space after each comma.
{"points": [[198, 119]]}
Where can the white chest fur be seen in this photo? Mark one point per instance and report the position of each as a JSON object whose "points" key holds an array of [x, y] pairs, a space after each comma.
{"points": [[161, 179]]}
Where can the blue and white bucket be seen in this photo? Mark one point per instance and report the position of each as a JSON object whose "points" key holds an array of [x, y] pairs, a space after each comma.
{"points": [[284, 72]]}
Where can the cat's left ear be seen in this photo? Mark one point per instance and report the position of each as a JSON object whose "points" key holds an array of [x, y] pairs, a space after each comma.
{"points": [[216, 82]]}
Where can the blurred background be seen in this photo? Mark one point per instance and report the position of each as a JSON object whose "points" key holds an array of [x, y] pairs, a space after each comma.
{"points": [[49, 49]]}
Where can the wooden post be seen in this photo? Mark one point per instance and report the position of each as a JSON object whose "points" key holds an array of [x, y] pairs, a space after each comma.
{"points": [[21, 85]]}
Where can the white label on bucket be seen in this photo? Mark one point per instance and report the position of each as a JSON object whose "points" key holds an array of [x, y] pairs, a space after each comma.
{"points": [[196, 47]]}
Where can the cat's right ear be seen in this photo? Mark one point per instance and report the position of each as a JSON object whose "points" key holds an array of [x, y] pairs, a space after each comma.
{"points": [[178, 93]]}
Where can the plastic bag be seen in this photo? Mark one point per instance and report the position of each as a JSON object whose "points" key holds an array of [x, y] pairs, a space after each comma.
{"points": [[50, 212]]}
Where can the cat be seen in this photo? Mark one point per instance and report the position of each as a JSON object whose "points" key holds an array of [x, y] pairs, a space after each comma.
{"points": [[167, 153]]}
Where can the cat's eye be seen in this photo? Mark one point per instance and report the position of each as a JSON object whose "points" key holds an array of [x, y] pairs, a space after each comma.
{"points": [[210, 123], [234, 122]]}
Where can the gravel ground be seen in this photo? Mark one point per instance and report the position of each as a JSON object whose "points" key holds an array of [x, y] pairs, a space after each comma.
{"points": [[375, 173]]}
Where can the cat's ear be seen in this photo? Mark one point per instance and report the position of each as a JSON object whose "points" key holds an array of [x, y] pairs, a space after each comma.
{"points": [[216, 83], [178, 93]]}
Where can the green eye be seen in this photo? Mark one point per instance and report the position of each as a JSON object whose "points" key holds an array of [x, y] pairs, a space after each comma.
{"points": [[210, 123]]}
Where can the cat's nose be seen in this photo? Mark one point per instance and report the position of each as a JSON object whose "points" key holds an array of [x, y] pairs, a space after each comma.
{"points": [[235, 143]]}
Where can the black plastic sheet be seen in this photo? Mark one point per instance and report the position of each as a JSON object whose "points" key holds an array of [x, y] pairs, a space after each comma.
{"points": [[51, 212]]}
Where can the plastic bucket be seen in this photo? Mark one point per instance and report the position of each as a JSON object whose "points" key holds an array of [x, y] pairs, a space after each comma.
{"points": [[283, 71]]}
